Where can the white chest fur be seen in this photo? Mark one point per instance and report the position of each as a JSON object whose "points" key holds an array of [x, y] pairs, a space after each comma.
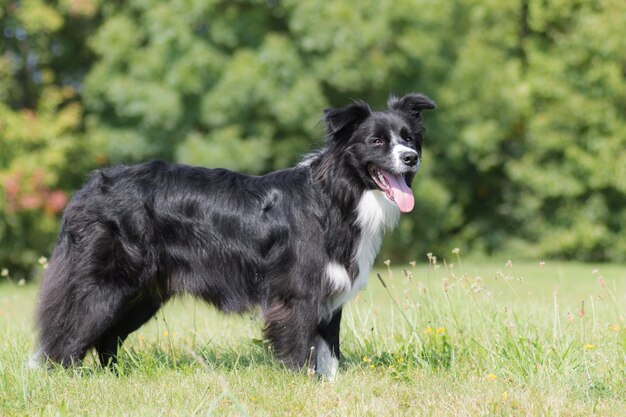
{"points": [[375, 214]]}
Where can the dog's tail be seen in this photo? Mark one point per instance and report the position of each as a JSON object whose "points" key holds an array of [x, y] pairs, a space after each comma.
{"points": [[54, 304]]}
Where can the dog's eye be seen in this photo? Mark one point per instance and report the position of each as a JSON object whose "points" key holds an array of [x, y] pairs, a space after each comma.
{"points": [[408, 139], [377, 141]]}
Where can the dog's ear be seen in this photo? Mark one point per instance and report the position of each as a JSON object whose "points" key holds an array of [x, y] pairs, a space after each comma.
{"points": [[343, 121], [411, 104]]}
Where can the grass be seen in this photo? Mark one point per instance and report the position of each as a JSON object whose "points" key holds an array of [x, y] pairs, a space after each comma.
{"points": [[490, 338]]}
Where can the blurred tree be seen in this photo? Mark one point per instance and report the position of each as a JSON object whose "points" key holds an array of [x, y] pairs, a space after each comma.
{"points": [[535, 105], [574, 168], [525, 154], [43, 155]]}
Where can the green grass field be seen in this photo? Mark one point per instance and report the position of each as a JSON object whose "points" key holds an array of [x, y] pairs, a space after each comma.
{"points": [[468, 339]]}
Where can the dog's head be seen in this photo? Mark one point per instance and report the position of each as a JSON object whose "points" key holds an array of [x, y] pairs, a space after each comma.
{"points": [[383, 148]]}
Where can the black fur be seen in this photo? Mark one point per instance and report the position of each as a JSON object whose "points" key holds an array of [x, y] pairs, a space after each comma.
{"points": [[134, 236]]}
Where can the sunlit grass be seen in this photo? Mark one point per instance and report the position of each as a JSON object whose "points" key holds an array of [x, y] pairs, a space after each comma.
{"points": [[430, 338]]}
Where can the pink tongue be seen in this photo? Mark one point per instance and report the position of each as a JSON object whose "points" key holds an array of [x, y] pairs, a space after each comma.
{"points": [[402, 194]]}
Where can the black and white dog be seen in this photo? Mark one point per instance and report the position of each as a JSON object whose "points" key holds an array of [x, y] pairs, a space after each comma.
{"points": [[298, 243]]}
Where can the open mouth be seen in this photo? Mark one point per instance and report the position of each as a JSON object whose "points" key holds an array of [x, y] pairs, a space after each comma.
{"points": [[394, 187]]}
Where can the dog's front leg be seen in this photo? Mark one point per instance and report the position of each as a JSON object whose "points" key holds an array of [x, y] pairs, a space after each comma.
{"points": [[328, 352], [292, 330]]}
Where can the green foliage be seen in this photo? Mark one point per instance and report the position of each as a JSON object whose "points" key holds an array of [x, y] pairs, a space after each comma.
{"points": [[43, 154], [537, 98], [526, 153]]}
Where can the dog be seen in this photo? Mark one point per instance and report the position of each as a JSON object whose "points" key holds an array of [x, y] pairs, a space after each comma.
{"points": [[296, 243]]}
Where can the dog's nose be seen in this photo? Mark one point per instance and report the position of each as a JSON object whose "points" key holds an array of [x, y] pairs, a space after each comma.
{"points": [[409, 158]]}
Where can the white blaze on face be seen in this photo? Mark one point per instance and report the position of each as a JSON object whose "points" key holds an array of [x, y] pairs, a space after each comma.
{"points": [[397, 150]]}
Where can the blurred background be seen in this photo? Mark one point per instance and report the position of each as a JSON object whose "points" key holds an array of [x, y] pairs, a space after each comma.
{"points": [[525, 155]]}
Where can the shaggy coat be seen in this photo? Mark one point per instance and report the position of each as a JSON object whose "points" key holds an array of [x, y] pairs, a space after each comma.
{"points": [[298, 242]]}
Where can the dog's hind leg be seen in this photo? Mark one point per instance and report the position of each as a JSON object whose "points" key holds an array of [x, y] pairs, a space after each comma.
{"points": [[71, 321], [95, 269], [141, 310]]}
